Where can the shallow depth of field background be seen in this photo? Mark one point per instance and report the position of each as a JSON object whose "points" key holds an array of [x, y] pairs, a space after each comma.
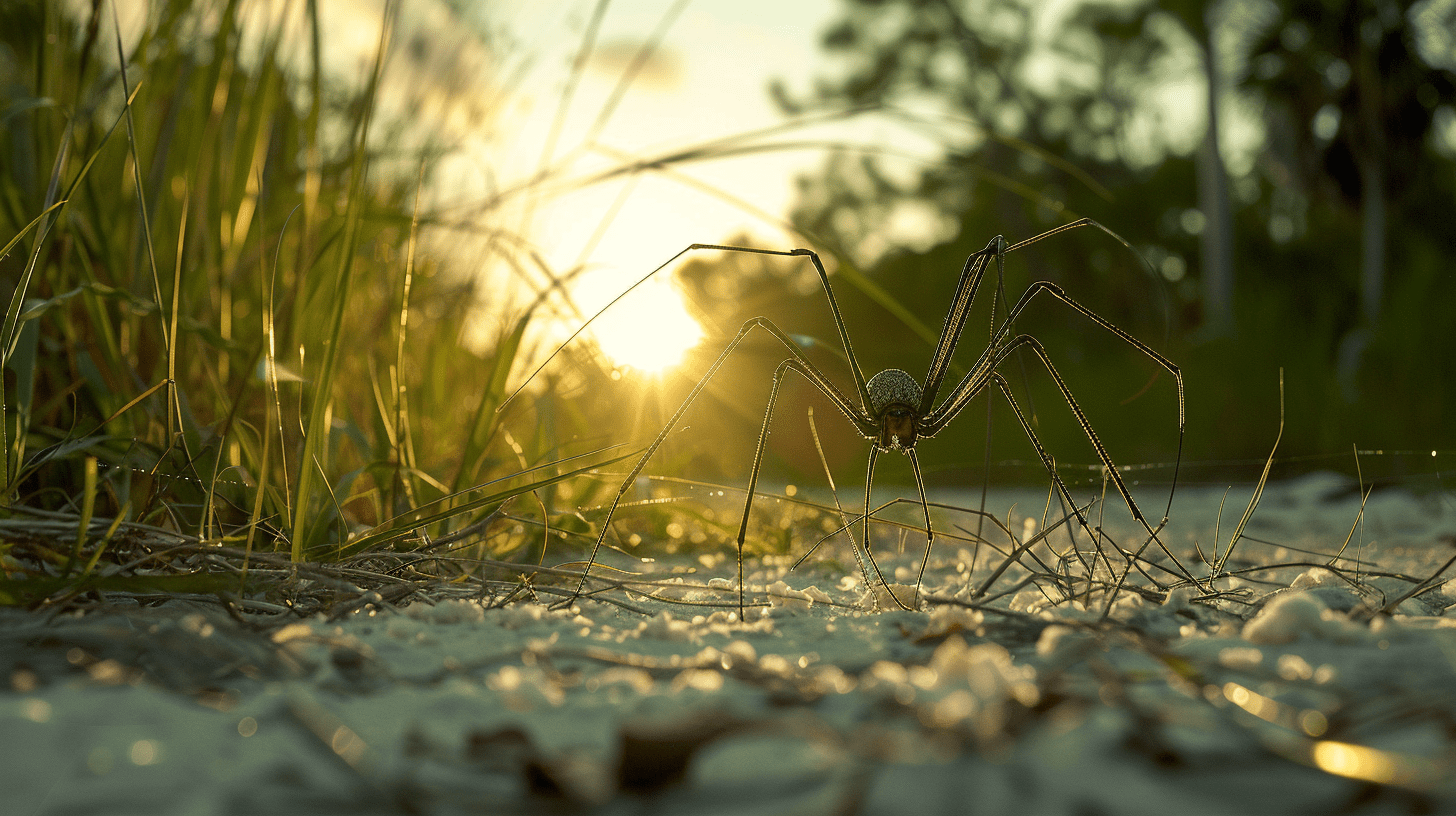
{"points": [[544, 156]]}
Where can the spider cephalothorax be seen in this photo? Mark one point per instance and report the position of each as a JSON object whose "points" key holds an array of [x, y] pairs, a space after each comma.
{"points": [[895, 405]]}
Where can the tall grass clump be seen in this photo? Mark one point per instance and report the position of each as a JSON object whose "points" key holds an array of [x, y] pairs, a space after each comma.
{"points": [[219, 324]]}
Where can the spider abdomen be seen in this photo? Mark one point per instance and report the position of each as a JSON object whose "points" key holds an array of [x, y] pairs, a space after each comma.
{"points": [[894, 403], [892, 386]]}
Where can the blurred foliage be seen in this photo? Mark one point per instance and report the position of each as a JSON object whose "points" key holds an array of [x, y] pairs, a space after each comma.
{"points": [[220, 325], [1029, 147]]}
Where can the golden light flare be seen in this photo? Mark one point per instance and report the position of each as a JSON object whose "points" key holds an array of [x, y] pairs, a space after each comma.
{"points": [[1350, 760], [649, 330], [1374, 765]]}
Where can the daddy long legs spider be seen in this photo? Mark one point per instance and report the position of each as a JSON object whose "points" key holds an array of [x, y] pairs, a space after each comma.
{"points": [[894, 412]]}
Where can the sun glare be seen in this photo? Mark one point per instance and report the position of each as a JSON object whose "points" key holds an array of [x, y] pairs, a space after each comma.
{"points": [[650, 330]]}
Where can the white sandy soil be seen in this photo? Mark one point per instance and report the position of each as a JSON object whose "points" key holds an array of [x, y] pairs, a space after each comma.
{"points": [[1290, 696]]}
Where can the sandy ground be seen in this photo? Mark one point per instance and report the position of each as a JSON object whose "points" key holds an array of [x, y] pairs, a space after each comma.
{"points": [[1288, 694]]}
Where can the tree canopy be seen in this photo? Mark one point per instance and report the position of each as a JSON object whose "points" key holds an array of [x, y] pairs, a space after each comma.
{"points": [[1333, 151]]}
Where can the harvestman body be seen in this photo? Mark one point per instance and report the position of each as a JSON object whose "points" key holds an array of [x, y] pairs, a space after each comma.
{"points": [[894, 412]]}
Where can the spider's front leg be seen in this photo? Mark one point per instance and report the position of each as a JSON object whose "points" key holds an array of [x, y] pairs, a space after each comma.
{"points": [[814, 375]]}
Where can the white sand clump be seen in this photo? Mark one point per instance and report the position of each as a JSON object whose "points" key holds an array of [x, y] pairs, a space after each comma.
{"points": [[1448, 591], [970, 685], [663, 626], [1126, 606], [453, 610], [526, 615], [1179, 598], [1030, 601], [1291, 615], [1318, 576], [1058, 638], [989, 671], [946, 620], [783, 596], [740, 651]]}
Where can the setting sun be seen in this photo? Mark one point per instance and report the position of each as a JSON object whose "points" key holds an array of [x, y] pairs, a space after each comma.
{"points": [[649, 330]]}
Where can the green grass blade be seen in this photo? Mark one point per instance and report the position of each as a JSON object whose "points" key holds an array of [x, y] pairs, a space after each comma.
{"points": [[309, 525], [88, 507], [487, 418], [1259, 486]]}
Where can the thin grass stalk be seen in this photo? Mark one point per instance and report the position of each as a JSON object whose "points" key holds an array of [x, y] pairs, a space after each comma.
{"points": [[105, 541], [1359, 516], [307, 532], [146, 227], [578, 69], [88, 508], [404, 451], [1259, 487], [273, 400], [10, 333], [313, 158], [272, 407], [451, 506], [487, 418]]}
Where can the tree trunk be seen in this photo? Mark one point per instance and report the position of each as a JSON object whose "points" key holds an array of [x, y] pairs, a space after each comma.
{"points": [[1372, 238]]}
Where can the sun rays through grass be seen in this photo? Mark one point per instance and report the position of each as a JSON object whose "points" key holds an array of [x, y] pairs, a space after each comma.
{"points": [[221, 324]]}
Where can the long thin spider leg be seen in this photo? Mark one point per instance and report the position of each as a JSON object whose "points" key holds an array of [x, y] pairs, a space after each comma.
{"points": [[1063, 493], [974, 383], [843, 516], [970, 281], [773, 395], [966, 390], [1168, 365], [955, 318], [859, 377], [1006, 328], [869, 554], [1059, 293], [814, 376], [942, 414], [863, 422], [929, 532], [999, 298], [1078, 224], [998, 350], [1091, 434]]}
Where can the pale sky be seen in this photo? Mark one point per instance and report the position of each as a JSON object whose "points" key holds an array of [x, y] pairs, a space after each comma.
{"points": [[709, 82]]}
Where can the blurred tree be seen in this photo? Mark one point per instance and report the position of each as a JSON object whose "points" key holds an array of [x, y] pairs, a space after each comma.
{"points": [[1043, 116], [1202, 20], [1344, 170], [1352, 104]]}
